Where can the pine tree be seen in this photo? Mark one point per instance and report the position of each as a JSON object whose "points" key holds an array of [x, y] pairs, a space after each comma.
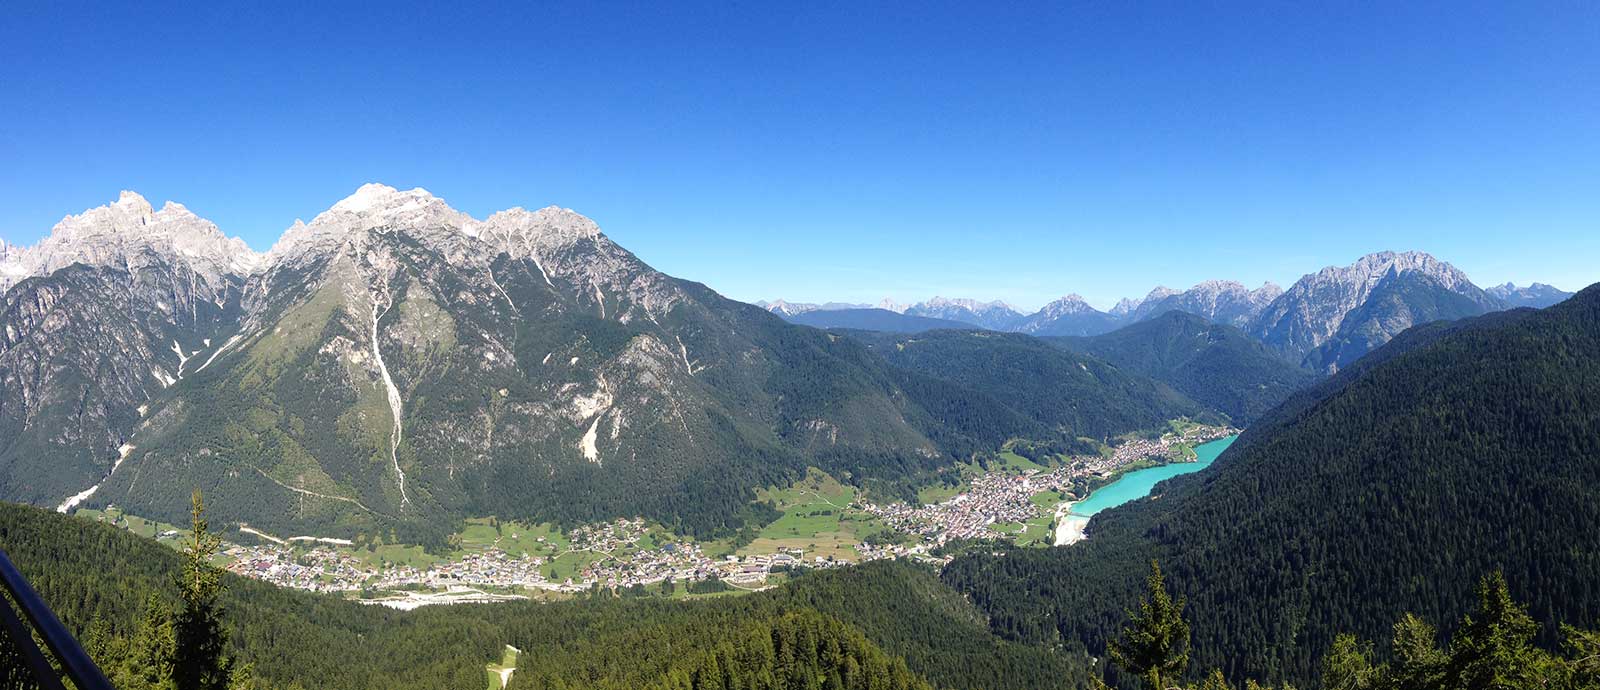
{"points": [[1493, 650], [149, 662], [1155, 645], [1347, 666], [200, 661], [1417, 664]]}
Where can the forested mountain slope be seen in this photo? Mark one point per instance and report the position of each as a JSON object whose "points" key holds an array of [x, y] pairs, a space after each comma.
{"points": [[1069, 393], [1215, 364], [888, 618], [1468, 449]]}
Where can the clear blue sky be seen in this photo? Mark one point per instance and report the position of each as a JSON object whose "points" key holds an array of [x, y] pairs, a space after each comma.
{"points": [[849, 152]]}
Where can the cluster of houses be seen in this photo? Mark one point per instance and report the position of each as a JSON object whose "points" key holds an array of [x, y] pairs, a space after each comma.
{"points": [[993, 498], [320, 569], [1002, 498], [623, 563], [1140, 449]]}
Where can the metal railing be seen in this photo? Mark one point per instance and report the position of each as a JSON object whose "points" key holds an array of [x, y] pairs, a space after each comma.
{"points": [[22, 663]]}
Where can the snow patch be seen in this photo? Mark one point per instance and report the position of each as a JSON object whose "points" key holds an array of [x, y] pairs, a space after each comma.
{"points": [[75, 499], [213, 356], [591, 453]]}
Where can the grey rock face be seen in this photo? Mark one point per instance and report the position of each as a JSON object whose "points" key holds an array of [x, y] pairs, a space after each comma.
{"points": [[1338, 301], [108, 311], [1218, 301]]}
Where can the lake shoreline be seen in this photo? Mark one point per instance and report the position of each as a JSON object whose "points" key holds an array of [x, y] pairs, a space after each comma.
{"points": [[1071, 527]]}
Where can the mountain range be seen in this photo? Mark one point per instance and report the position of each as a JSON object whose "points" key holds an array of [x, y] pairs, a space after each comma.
{"points": [[395, 365], [1325, 321]]}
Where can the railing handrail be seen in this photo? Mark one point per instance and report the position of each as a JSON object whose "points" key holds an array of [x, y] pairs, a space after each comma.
{"points": [[74, 661]]}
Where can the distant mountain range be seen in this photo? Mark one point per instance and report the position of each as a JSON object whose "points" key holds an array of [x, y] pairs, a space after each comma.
{"points": [[1325, 321], [1537, 295]]}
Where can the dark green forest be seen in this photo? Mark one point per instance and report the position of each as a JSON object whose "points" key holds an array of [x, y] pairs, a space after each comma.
{"points": [[891, 621], [1457, 450], [1069, 394], [1215, 364]]}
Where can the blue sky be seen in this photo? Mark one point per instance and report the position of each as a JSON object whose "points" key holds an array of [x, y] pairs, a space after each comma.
{"points": [[851, 151]]}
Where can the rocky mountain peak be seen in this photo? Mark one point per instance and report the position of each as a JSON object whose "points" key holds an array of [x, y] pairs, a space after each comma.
{"points": [[1539, 295], [130, 234], [517, 230], [1159, 292], [1069, 304], [1219, 286], [964, 303], [1374, 267], [1124, 306], [1266, 293], [373, 207]]}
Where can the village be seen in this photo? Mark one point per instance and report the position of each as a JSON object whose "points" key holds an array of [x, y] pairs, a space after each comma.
{"points": [[1000, 498], [624, 553], [620, 563]]}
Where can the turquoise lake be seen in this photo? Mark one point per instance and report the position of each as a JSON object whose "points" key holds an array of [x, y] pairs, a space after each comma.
{"points": [[1137, 484]]}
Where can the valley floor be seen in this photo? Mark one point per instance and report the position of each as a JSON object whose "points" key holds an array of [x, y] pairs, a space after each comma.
{"points": [[823, 524]]}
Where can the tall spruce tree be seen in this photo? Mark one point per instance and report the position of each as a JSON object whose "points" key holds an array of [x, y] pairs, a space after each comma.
{"points": [[200, 661], [1155, 645]]}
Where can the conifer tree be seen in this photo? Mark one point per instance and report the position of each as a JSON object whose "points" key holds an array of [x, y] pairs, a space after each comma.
{"points": [[1494, 648], [200, 661], [1155, 645]]}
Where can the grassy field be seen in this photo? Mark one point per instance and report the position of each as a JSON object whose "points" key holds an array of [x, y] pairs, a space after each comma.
{"points": [[398, 554], [149, 529], [939, 493], [1011, 462], [569, 564], [816, 519], [514, 538]]}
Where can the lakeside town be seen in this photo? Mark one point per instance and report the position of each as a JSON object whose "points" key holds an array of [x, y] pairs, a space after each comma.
{"points": [[626, 553], [997, 498]]}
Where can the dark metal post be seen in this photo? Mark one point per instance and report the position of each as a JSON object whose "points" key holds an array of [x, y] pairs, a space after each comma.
{"points": [[74, 661]]}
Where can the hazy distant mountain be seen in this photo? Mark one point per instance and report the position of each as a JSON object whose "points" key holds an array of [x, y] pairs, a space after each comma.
{"points": [[1537, 295], [1219, 301], [1069, 315], [995, 316], [1215, 364], [786, 308], [874, 320], [1330, 318]]}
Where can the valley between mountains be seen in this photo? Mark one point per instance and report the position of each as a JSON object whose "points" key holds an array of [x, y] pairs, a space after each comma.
{"points": [[401, 404]]}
